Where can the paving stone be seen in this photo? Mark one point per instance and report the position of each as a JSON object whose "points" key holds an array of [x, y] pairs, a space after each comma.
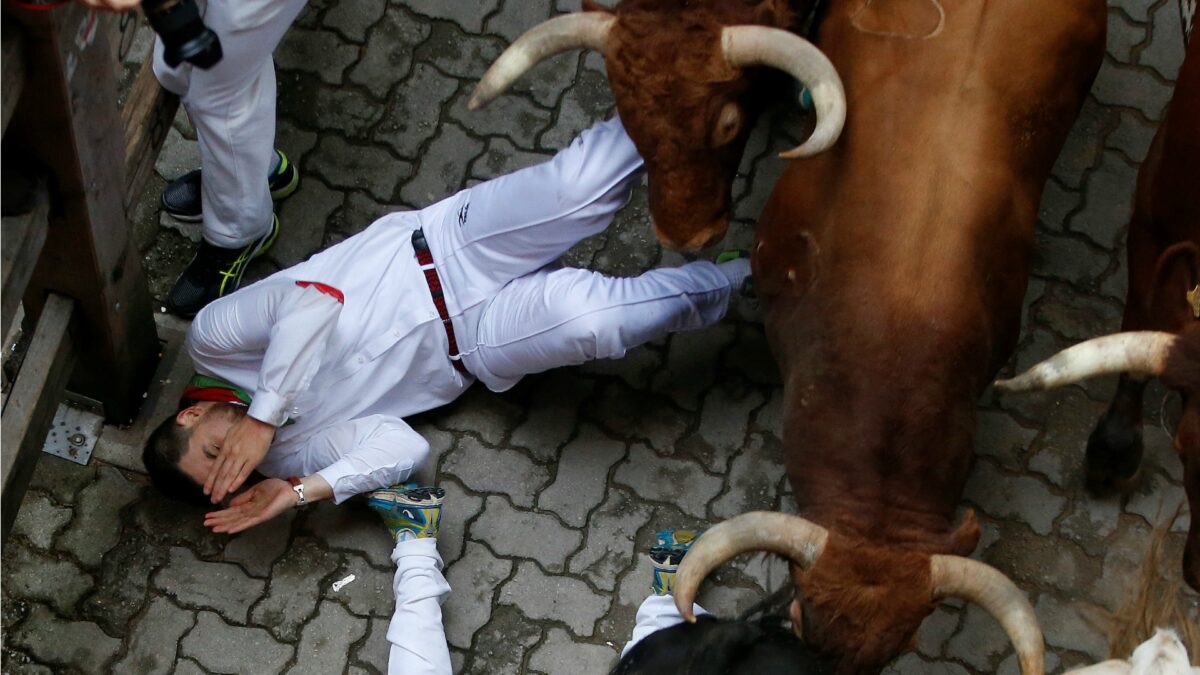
{"points": [[259, 547], [303, 218], [193, 232], [1043, 562], [443, 168], [560, 654], [999, 436], [358, 212], [630, 247], [460, 507], [1132, 136], [1124, 557], [294, 589], [1058, 203], [412, 119], [1156, 499], [1077, 316], [295, 142], [474, 578], [724, 421], [221, 648], [1021, 497], [1138, 88], [1010, 666], [467, 15], [1068, 258], [911, 664], [980, 640], [1166, 51], [371, 168], [97, 526], [188, 667], [496, 470], [123, 582], [64, 481], [751, 479], [553, 413], [582, 474], [177, 157], [936, 630], [559, 598], [657, 478], [325, 642], [1059, 454], [750, 356], [691, 364], [351, 527], [1123, 36], [483, 413], [30, 575], [1064, 625], [1083, 145], [1108, 201], [1092, 521], [166, 522], [636, 368], [352, 18], [510, 115], [610, 534], [525, 534], [501, 645], [502, 158], [375, 650], [40, 520], [315, 105], [1138, 11], [70, 644], [318, 52], [220, 586], [13, 666], [153, 639], [370, 594], [1159, 451]]}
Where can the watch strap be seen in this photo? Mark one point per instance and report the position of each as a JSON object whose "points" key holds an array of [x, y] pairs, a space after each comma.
{"points": [[298, 488]]}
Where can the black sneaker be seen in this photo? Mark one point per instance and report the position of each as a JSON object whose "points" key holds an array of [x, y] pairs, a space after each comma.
{"points": [[181, 197], [215, 272]]}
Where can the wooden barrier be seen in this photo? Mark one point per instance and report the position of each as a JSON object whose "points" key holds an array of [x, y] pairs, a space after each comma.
{"points": [[78, 162]]}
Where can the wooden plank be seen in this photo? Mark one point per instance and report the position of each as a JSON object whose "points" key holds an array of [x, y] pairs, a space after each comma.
{"points": [[23, 236], [147, 116], [72, 124], [12, 65], [31, 404]]}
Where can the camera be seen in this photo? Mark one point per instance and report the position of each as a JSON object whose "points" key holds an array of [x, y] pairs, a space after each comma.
{"points": [[183, 33]]}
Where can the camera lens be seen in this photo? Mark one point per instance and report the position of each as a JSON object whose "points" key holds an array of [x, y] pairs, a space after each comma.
{"points": [[183, 33]]}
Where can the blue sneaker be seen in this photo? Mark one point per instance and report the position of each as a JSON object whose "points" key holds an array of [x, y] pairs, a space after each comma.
{"points": [[668, 551], [408, 510]]}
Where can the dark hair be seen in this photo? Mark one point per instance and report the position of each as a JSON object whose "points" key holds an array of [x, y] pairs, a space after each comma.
{"points": [[723, 646], [161, 457]]}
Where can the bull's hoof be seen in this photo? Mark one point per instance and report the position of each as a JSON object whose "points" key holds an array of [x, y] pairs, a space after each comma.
{"points": [[1114, 456]]}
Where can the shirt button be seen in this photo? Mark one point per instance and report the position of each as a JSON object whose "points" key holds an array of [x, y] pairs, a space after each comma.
{"points": [[396, 333], [362, 359]]}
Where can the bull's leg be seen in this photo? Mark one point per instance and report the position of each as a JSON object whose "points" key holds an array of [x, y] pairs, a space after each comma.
{"points": [[1114, 450]]}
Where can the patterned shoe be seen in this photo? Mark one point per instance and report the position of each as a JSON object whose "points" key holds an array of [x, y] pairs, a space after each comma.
{"points": [[668, 552], [409, 511]]}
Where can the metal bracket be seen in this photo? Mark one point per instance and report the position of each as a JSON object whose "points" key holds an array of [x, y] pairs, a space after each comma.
{"points": [[73, 434]]}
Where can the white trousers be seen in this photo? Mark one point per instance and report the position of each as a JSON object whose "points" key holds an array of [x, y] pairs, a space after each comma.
{"points": [[515, 311], [416, 633], [656, 613], [232, 106]]}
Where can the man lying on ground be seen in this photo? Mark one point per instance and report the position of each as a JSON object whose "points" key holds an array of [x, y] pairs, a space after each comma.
{"points": [[307, 376]]}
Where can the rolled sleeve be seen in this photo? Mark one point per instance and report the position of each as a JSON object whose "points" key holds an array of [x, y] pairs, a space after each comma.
{"points": [[365, 455]]}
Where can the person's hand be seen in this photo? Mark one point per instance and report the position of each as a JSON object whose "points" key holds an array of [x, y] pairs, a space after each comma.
{"points": [[244, 447], [257, 505], [113, 5]]}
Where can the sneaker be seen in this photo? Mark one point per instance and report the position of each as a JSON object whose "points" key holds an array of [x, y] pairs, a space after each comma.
{"points": [[181, 197], [669, 549], [409, 511], [215, 272]]}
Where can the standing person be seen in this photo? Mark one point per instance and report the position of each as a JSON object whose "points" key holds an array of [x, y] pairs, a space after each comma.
{"points": [[232, 105], [307, 376]]}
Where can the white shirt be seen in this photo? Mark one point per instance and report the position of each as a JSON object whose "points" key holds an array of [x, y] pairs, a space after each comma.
{"points": [[337, 376]]}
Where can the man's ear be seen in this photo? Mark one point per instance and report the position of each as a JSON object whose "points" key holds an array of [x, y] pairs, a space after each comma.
{"points": [[188, 417]]}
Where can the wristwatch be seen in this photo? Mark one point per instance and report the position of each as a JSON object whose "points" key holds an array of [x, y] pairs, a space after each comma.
{"points": [[298, 488]]}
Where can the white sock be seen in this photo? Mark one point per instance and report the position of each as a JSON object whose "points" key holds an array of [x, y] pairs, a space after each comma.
{"points": [[736, 271]]}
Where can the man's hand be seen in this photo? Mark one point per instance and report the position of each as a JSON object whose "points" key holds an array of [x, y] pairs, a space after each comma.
{"points": [[257, 505], [244, 447]]}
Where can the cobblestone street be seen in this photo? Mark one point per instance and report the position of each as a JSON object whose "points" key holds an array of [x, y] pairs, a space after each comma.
{"points": [[555, 488]]}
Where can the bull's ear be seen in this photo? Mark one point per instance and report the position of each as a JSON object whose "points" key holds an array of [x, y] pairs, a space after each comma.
{"points": [[593, 6], [1173, 300], [778, 13]]}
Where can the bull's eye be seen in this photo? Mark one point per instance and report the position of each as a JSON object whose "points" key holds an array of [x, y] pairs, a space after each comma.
{"points": [[729, 123]]}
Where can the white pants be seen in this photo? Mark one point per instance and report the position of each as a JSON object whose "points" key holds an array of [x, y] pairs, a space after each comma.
{"points": [[416, 633], [232, 106], [515, 311], [656, 613]]}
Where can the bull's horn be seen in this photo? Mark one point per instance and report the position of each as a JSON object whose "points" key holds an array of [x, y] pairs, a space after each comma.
{"points": [[958, 577], [799, 540], [762, 46], [1140, 353], [569, 31]]}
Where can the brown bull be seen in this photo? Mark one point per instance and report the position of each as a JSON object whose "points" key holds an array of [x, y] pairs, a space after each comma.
{"points": [[892, 268], [1164, 297]]}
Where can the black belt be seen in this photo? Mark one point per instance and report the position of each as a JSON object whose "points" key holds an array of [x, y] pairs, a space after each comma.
{"points": [[425, 259]]}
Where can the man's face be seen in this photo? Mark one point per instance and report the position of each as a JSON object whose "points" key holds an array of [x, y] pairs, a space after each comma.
{"points": [[209, 424]]}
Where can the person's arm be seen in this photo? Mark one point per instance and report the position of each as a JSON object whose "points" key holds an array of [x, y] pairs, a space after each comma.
{"points": [[289, 323], [357, 456]]}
